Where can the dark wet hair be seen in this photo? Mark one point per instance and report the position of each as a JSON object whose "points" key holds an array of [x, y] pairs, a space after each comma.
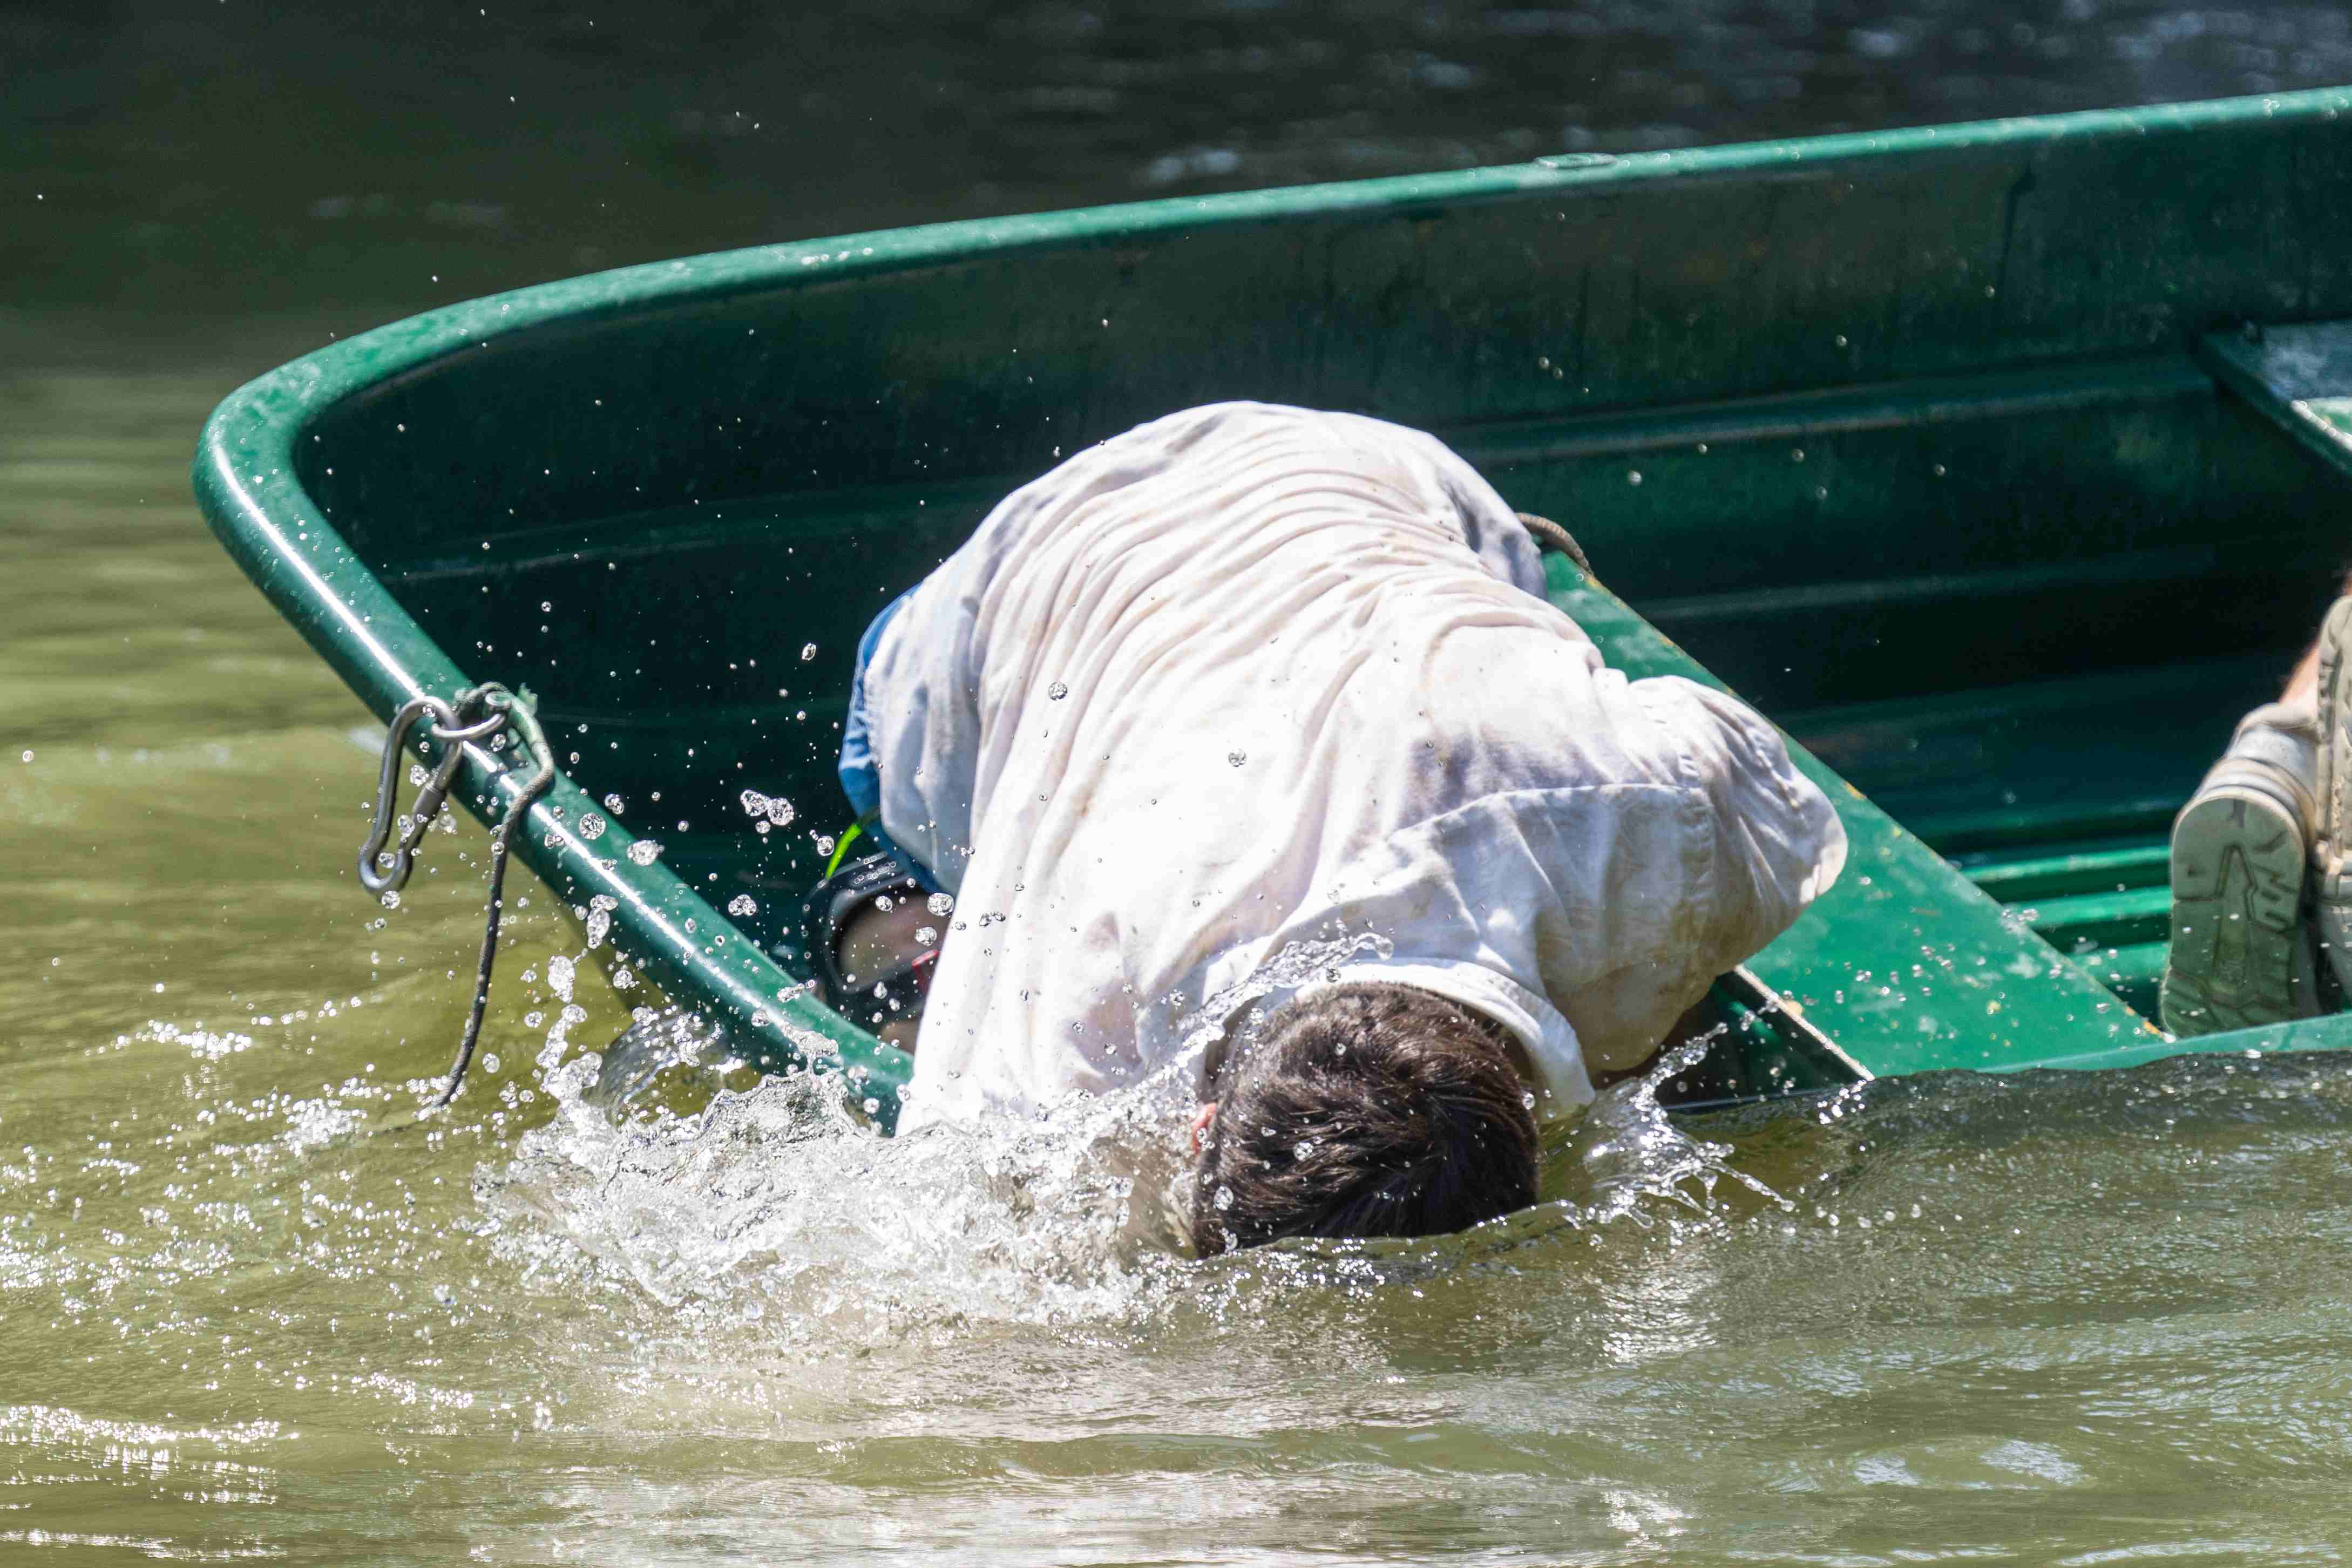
{"points": [[1365, 1109]]}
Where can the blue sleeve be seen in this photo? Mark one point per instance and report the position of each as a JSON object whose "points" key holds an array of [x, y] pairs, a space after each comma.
{"points": [[861, 779]]}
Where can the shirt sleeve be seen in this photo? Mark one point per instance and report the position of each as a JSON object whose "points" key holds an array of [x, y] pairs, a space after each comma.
{"points": [[1759, 841], [922, 708]]}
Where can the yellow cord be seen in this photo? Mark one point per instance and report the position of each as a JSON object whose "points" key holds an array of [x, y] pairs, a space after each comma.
{"points": [[841, 848]]}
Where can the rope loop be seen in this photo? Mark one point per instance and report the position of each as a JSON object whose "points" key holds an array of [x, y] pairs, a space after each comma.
{"points": [[1550, 536]]}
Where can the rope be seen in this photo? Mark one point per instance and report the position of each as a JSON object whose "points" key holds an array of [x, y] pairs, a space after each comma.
{"points": [[478, 713], [1550, 536]]}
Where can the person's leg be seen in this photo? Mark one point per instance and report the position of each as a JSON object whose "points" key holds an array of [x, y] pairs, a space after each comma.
{"points": [[2330, 682], [2246, 848], [2302, 688]]}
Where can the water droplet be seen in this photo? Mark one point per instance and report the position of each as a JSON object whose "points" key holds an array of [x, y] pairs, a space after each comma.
{"points": [[644, 852], [774, 810], [927, 935], [613, 804], [490, 1062], [1224, 1197], [742, 903], [824, 842], [808, 651], [1057, 691], [1237, 757], [417, 776], [1528, 1099], [1632, 475], [591, 826], [1304, 1147], [391, 899], [940, 903]]}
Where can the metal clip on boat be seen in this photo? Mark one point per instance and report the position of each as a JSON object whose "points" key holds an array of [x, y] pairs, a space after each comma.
{"points": [[478, 713]]}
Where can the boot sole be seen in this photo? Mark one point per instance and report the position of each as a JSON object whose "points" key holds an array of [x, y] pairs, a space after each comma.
{"points": [[2239, 954]]}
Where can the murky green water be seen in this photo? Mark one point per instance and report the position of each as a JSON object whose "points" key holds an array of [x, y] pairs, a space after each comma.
{"points": [[245, 1311]]}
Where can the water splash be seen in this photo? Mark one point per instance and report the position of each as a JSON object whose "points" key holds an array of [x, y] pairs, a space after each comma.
{"points": [[772, 1202], [1630, 1155], [1296, 965], [769, 1202], [775, 1205]]}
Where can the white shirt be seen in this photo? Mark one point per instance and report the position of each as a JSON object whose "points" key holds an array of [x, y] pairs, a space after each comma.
{"points": [[1252, 675]]}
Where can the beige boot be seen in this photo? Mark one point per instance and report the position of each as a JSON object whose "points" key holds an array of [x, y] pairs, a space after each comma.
{"points": [[2241, 947]]}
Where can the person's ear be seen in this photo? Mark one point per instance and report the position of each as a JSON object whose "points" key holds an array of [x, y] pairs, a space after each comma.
{"points": [[1202, 1120]]}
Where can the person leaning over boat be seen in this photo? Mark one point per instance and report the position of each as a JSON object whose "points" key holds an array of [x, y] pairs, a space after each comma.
{"points": [[1253, 686], [2261, 889]]}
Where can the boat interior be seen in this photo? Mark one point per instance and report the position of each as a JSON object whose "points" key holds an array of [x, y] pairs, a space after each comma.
{"points": [[2019, 613], [2032, 617]]}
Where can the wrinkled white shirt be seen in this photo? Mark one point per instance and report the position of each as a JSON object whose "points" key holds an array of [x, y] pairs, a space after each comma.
{"points": [[1251, 676]]}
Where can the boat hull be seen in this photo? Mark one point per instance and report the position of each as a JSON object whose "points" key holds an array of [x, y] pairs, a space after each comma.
{"points": [[1913, 439]]}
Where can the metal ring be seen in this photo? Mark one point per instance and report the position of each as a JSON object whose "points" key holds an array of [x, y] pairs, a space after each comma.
{"points": [[464, 733], [394, 877]]}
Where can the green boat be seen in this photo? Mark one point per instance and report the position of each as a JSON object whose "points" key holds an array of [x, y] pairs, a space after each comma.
{"points": [[2003, 464]]}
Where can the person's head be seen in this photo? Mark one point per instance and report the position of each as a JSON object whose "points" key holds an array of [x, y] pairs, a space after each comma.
{"points": [[1364, 1110]]}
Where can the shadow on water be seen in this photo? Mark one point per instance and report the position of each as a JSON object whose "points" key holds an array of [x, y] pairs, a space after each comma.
{"points": [[161, 161]]}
